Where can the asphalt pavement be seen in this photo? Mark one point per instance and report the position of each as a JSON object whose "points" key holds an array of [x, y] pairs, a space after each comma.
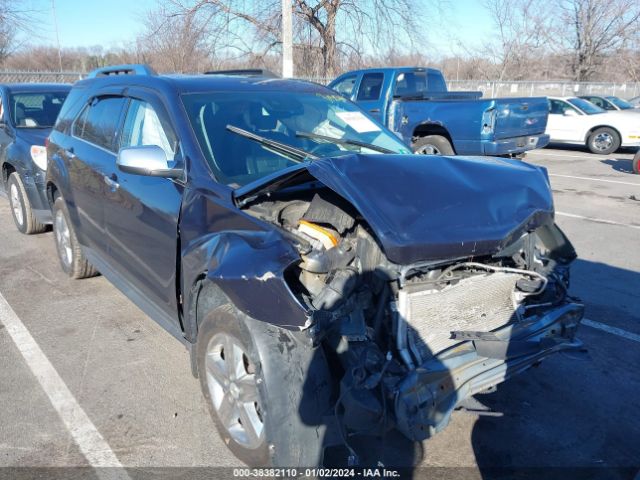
{"points": [[86, 377]]}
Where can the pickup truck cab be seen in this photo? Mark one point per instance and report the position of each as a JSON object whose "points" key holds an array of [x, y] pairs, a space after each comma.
{"points": [[415, 104]]}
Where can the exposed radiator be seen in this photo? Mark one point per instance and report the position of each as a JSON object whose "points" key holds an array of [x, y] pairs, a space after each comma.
{"points": [[479, 303]]}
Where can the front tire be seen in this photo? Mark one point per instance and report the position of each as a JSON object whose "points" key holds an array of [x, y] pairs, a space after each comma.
{"points": [[266, 388], [603, 141], [433, 145], [23, 215], [72, 260]]}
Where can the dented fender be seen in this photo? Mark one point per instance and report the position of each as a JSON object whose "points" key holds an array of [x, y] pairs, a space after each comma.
{"points": [[244, 257]]}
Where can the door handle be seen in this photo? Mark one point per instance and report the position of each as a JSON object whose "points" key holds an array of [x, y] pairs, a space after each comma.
{"points": [[112, 181], [374, 110], [69, 153]]}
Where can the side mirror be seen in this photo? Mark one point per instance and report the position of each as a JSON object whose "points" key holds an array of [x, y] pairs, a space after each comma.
{"points": [[570, 113], [148, 160]]}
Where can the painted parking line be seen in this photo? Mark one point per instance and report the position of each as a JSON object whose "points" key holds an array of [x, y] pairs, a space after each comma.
{"points": [[634, 184], [598, 220], [612, 330], [584, 156], [91, 443]]}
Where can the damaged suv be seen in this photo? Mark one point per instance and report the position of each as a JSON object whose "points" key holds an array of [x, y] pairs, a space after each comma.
{"points": [[325, 282]]}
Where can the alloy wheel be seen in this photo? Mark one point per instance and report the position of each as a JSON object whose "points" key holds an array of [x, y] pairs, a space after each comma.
{"points": [[603, 141], [63, 238], [16, 204], [233, 387]]}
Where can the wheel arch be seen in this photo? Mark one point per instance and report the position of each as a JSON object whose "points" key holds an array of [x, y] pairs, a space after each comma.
{"points": [[425, 129], [593, 129]]}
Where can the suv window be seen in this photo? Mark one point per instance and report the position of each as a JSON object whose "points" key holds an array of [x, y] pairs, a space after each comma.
{"points": [[35, 110], [346, 85], [142, 126], [370, 86], [98, 123]]}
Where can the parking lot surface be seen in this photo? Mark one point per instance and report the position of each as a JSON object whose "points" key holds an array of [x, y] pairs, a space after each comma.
{"points": [[86, 377]]}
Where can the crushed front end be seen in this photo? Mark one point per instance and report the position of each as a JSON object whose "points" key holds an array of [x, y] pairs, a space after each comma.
{"points": [[407, 342]]}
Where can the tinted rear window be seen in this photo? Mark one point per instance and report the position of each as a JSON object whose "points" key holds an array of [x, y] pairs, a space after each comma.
{"points": [[418, 83], [98, 123], [36, 109]]}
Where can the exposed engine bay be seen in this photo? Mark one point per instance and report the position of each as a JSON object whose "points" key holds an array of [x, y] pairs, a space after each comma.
{"points": [[409, 342]]}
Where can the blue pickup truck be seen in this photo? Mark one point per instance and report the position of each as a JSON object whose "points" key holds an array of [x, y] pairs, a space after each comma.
{"points": [[414, 103]]}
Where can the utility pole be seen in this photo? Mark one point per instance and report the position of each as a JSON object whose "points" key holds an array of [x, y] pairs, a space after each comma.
{"points": [[287, 39], [55, 24]]}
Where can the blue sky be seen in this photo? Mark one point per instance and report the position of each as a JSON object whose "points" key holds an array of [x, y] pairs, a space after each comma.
{"points": [[112, 23]]}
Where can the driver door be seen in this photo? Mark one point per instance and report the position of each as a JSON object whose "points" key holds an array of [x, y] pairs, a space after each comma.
{"points": [[565, 121], [141, 212]]}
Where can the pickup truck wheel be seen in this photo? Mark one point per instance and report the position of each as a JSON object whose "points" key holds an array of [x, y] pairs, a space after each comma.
{"points": [[70, 254], [23, 216], [433, 145], [266, 389], [635, 163], [603, 141]]}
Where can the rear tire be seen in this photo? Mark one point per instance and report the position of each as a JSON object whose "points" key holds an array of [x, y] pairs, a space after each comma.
{"points": [[433, 145], [635, 163], [23, 216], [283, 380], [603, 141], [72, 260]]}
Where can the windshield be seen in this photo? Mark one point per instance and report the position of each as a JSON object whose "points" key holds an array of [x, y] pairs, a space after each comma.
{"points": [[36, 109], [321, 124], [621, 104], [586, 106]]}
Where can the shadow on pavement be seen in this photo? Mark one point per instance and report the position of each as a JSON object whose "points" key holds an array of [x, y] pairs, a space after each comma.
{"points": [[623, 165], [573, 416]]}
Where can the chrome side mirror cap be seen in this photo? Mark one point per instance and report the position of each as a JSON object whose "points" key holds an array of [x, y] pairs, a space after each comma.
{"points": [[147, 160]]}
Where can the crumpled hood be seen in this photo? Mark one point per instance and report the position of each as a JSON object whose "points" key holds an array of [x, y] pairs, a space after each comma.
{"points": [[432, 207]]}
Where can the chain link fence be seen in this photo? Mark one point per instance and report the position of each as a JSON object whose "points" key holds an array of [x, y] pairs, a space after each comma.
{"points": [[488, 88], [39, 77], [546, 89]]}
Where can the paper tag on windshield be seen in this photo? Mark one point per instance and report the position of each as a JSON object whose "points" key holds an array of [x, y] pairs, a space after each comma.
{"points": [[358, 122]]}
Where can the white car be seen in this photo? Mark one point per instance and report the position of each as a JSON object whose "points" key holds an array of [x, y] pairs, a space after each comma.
{"points": [[576, 121]]}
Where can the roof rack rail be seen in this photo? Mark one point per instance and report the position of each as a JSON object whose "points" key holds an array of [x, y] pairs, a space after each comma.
{"points": [[245, 72], [130, 69]]}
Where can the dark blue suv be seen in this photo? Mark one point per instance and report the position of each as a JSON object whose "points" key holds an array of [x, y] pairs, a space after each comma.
{"points": [[326, 283], [27, 114]]}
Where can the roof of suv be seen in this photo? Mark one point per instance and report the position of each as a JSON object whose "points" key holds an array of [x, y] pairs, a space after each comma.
{"points": [[36, 87], [198, 83]]}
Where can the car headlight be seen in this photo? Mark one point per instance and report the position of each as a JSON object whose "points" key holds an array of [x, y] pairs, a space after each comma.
{"points": [[39, 156]]}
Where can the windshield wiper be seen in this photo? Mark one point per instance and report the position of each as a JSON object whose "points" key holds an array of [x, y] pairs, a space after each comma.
{"points": [[295, 154], [340, 141]]}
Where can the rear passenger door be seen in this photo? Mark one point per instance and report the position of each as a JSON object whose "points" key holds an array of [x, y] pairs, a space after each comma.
{"points": [[90, 158], [142, 211]]}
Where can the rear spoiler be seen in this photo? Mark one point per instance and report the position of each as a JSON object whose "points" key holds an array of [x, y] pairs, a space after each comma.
{"points": [[129, 69]]}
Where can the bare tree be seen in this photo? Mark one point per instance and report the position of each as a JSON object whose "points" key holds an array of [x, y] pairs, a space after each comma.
{"points": [[13, 17], [592, 30], [328, 28], [174, 43]]}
